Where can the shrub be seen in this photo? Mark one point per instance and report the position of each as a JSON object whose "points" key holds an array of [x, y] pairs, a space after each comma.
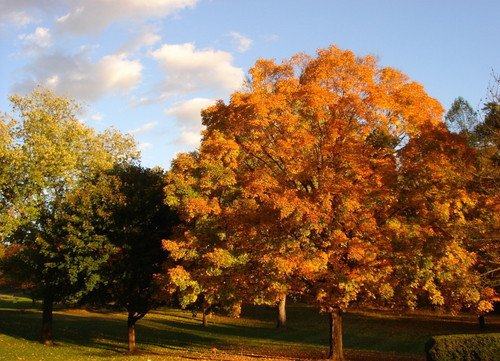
{"points": [[483, 347]]}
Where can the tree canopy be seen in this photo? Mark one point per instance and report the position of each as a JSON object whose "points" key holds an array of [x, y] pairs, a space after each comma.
{"points": [[137, 226], [315, 175], [55, 198]]}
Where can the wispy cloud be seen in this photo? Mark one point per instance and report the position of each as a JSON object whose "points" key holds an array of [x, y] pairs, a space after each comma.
{"points": [[145, 38], [76, 75], [23, 12], [92, 16], [97, 117], [243, 42], [18, 18], [189, 69], [144, 146], [187, 115], [37, 40], [146, 127], [271, 38], [188, 138]]}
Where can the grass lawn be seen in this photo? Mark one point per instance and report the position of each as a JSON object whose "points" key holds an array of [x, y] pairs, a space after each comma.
{"points": [[170, 334]]}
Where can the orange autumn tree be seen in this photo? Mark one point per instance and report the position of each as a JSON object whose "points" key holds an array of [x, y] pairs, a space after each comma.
{"points": [[204, 262], [297, 185], [221, 254]]}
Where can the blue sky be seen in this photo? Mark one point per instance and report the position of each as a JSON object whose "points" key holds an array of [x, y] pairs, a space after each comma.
{"points": [[149, 66]]}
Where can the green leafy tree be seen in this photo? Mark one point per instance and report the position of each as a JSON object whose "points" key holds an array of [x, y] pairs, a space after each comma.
{"points": [[488, 130], [138, 226], [55, 197], [461, 118]]}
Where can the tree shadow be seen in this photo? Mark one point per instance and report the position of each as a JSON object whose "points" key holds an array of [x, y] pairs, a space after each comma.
{"points": [[307, 331], [104, 333]]}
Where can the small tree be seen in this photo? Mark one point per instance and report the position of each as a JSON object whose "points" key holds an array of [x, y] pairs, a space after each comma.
{"points": [[481, 181], [136, 230], [203, 270], [431, 226], [461, 118]]}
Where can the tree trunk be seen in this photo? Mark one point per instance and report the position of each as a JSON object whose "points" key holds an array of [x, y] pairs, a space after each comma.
{"points": [[336, 350], [204, 313], [482, 322], [48, 305], [281, 322], [131, 331]]}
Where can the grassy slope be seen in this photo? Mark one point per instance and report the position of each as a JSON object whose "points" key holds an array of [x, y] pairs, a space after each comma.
{"points": [[174, 335]]}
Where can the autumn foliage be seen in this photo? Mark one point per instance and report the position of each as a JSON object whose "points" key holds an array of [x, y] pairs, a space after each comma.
{"points": [[327, 178], [332, 178]]}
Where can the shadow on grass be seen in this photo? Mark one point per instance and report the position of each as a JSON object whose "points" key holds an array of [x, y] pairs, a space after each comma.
{"points": [[169, 329], [104, 333], [370, 331]]}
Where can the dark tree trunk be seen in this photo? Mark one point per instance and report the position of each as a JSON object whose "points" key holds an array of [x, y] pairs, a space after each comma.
{"points": [[281, 321], [48, 305], [482, 322], [204, 313], [133, 317], [336, 350], [131, 331]]}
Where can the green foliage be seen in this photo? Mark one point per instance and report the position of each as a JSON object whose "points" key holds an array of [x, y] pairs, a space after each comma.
{"points": [[136, 229], [55, 197], [461, 118], [62, 255], [484, 347], [488, 130]]}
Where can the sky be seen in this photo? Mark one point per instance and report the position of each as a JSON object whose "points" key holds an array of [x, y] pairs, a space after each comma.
{"points": [[147, 67]]}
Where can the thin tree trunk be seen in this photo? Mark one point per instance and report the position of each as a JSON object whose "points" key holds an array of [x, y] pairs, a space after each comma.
{"points": [[48, 305], [482, 322], [336, 350], [204, 313], [131, 331], [281, 322]]}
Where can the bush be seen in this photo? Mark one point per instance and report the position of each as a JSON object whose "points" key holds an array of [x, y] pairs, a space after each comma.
{"points": [[483, 347]]}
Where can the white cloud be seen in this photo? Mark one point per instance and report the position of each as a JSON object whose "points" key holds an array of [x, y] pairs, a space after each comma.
{"points": [[188, 113], [189, 138], [97, 117], [188, 117], [92, 16], [146, 127], [145, 145], [23, 12], [145, 38], [189, 69], [243, 43], [271, 38], [37, 40], [77, 76], [18, 18], [118, 73]]}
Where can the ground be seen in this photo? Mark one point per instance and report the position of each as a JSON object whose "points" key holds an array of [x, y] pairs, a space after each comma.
{"points": [[171, 334]]}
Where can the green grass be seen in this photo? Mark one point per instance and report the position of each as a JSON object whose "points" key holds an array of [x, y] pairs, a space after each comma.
{"points": [[170, 334]]}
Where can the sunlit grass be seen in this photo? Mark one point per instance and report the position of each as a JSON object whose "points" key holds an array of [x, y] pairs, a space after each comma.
{"points": [[170, 334]]}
